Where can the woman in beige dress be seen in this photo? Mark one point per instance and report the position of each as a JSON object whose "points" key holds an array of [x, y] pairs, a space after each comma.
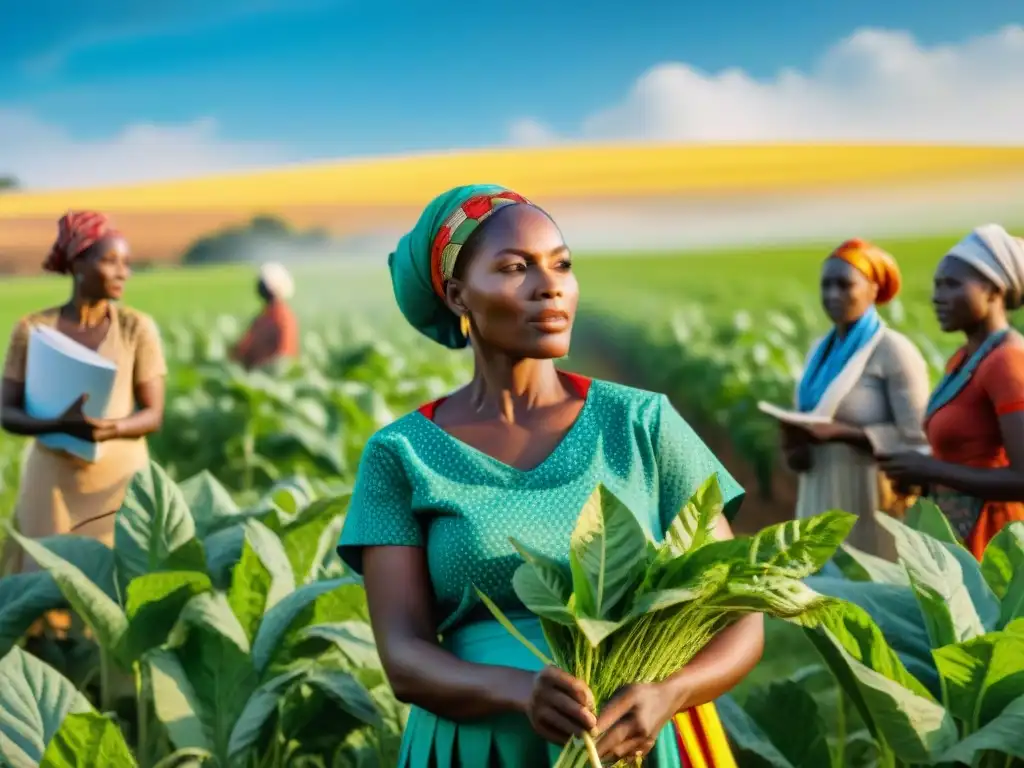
{"points": [[869, 384], [60, 493]]}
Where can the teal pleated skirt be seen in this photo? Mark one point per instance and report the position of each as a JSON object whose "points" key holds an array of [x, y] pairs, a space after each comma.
{"points": [[503, 741]]}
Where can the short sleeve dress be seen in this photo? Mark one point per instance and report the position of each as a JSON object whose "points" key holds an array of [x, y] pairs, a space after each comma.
{"points": [[60, 493], [418, 486], [966, 431]]}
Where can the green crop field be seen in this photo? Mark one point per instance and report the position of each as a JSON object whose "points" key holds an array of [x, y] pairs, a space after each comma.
{"points": [[722, 281], [249, 484]]}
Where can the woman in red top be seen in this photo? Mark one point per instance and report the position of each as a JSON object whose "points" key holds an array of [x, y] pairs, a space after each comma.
{"points": [[274, 333], [975, 418]]}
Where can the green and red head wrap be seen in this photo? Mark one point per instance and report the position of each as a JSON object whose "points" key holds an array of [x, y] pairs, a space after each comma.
{"points": [[424, 259]]}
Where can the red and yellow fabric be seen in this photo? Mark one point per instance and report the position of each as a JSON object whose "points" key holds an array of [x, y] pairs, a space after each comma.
{"points": [[702, 739], [875, 264], [424, 259], [76, 232]]}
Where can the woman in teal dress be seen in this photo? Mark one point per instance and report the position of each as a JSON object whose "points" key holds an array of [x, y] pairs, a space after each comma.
{"points": [[516, 452]]}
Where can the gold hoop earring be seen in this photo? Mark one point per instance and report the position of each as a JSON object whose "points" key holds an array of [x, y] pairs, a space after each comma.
{"points": [[464, 325]]}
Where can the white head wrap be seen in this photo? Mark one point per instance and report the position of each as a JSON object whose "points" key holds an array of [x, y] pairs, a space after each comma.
{"points": [[997, 255], [278, 280]]}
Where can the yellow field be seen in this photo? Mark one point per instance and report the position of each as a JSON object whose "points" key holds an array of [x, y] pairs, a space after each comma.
{"points": [[548, 173]]}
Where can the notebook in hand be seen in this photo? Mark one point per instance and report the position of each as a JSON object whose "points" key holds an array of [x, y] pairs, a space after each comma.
{"points": [[59, 371]]}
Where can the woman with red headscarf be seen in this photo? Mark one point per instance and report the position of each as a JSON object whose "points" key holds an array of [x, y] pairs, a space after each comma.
{"points": [[867, 387], [61, 493]]}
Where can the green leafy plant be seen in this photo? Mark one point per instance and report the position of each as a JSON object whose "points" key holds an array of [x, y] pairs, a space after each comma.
{"points": [[627, 610], [45, 721], [239, 650], [971, 617]]}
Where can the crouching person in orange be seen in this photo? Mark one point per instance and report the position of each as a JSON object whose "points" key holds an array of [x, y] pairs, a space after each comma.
{"points": [[273, 335]]}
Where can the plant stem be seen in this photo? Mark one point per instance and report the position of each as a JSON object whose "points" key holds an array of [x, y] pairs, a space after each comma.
{"points": [[595, 758], [106, 694], [248, 449], [141, 716], [840, 753]]}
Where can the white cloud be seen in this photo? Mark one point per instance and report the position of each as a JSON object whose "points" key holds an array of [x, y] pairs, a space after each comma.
{"points": [[529, 132], [875, 85], [42, 155]]}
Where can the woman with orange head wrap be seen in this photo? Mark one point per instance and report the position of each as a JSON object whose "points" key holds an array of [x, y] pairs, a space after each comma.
{"points": [[61, 493], [867, 387]]}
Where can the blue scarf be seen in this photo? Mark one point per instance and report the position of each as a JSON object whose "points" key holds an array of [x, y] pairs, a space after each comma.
{"points": [[831, 357], [953, 383]]}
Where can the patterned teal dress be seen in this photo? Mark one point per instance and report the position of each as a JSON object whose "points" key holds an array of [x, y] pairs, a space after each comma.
{"points": [[419, 486]]}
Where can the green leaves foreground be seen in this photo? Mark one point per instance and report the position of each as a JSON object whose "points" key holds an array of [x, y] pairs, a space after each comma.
{"points": [[629, 610], [241, 647], [958, 623]]}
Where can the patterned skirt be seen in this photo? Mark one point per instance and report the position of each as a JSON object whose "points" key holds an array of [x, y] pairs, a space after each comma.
{"points": [[695, 739]]}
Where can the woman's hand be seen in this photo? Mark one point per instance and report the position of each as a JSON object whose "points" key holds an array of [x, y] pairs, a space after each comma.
{"points": [[560, 706], [74, 422], [908, 468], [632, 719]]}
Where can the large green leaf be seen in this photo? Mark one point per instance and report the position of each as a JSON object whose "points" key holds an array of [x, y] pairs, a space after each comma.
{"points": [[863, 566], [103, 616], [1003, 558], [1003, 735], [311, 535], [802, 546], [88, 740], [270, 550], [702, 587], [93, 558], [24, 597], [346, 603], [262, 575], [278, 620], [608, 549], [1012, 605], [795, 549], [694, 525], [346, 692], [847, 631], [926, 517], [983, 675], [210, 610], [916, 727], [155, 602], [176, 703], [776, 708], [777, 596], [213, 679], [34, 700], [353, 638], [895, 611], [153, 521], [223, 551], [257, 711], [210, 503], [938, 582], [543, 585]]}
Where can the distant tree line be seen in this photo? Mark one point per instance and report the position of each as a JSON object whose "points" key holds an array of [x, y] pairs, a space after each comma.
{"points": [[263, 237], [7, 183]]}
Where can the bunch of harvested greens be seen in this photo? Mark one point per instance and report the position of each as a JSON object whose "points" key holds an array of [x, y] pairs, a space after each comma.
{"points": [[628, 610]]}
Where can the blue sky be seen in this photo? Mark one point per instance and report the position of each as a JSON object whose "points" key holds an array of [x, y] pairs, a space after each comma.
{"points": [[316, 78]]}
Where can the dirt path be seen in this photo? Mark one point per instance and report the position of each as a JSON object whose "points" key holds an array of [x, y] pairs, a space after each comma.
{"points": [[595, 358]]}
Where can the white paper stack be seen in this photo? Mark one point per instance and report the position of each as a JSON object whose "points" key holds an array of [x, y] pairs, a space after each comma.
{"points": [[792, 417], [59, 371]]}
